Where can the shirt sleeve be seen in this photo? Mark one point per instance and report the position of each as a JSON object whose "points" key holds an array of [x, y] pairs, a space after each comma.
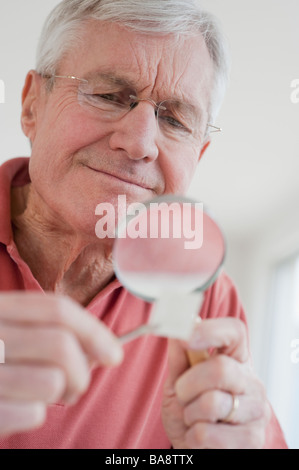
{"points": [[222, 300]]}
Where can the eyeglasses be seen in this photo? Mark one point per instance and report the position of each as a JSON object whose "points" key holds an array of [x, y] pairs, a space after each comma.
{"points": [[176, 120]]}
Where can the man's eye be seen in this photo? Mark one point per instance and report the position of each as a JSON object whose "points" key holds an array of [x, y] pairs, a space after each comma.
{"points": [[174, 123], [112, 97]]}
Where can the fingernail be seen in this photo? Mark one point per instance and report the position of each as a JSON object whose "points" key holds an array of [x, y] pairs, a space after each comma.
{"points": [[114, 355], [71, 399], [117, 354]]}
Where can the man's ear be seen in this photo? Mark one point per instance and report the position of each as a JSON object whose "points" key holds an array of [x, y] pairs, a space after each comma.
{"points": [[204, 148], [30, 96]]}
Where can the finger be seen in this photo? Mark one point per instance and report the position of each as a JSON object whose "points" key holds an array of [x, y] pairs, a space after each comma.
{"points": [[19, 416], [49, 346], [177, 364], [228, 335], [219, 372], [31, 308], [225, 436], [34, 383], [215, 405]]}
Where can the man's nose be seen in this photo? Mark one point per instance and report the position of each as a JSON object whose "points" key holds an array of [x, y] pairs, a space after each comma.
{"points": [[137, 133]]}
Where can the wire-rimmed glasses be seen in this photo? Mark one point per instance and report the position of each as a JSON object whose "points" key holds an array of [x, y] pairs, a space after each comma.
{"points": [[176, 120]]}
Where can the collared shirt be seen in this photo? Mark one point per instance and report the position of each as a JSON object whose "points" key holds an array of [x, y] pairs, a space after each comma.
{"points": [[122, 407]]}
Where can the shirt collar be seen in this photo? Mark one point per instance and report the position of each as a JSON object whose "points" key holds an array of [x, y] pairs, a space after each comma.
{"points": [[13, 173]]}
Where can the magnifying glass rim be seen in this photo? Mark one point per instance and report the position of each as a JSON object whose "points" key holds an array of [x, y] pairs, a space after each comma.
{"points": [[168, 198]]}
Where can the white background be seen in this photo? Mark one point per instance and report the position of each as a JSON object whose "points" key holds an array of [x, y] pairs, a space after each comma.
{"points": [[249, 175]]}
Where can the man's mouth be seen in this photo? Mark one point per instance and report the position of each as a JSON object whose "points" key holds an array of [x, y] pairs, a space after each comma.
{"points": [[123, 178]]}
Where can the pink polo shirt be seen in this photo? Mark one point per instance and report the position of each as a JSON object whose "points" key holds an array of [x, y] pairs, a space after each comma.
{"points": [[121, 409]]}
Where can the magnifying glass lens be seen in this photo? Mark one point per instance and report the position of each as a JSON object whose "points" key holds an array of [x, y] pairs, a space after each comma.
{"points": [[170, 244]]}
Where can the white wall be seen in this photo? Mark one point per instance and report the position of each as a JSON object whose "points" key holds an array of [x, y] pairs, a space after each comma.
{"points": [[251, 262]]}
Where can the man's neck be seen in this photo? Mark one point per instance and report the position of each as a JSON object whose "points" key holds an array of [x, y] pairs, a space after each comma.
{"points": [[60, 260]]}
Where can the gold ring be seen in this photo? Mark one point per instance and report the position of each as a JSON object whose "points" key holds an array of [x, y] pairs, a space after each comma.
{"points": [[235, 406]]}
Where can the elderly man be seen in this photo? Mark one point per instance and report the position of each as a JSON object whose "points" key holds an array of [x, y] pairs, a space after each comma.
{"points": [[121, 103]]}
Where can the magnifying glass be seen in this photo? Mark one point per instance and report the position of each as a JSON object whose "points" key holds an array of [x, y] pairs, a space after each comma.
{"points": [[168, 251]]}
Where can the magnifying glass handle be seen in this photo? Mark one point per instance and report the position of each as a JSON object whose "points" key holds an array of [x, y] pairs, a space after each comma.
{"points": [[140, 331], [167, 320], [197, 356]]}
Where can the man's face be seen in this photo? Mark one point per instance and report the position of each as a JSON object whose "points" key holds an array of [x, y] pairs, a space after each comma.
{"points": [[79, 159]]}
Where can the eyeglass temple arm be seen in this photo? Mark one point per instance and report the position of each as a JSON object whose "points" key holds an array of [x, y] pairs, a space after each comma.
{"points": [[217, 129]]}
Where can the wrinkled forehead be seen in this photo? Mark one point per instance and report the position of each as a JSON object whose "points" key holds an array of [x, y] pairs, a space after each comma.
{"points": [[160, 66]]}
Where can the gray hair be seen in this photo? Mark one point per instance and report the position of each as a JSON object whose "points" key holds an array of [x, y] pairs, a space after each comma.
{"points": [[179, 17]]}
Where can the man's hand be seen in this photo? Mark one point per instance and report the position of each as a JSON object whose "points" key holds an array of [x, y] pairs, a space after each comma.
{"points": [[197, 399], [50, 344]]}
